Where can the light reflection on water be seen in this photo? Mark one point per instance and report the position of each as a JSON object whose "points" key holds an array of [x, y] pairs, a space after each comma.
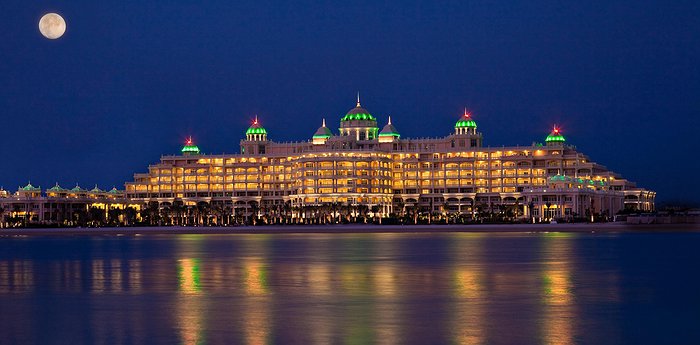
{"points": [[558, 294], [320, 289]]}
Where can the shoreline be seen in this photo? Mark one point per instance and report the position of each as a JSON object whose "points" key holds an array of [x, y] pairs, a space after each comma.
{"points": [[359, 229]]}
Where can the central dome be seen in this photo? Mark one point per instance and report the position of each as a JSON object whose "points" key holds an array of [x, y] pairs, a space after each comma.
{"points": [[358, 113]]}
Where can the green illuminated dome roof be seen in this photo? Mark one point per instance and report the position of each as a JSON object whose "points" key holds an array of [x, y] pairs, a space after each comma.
{"points": [[563, 178], [114, 191], [256, 128], [190, 147], [465, 121], [77, 189], [389, 130], [358, 113], [29, 187], [57, 188], [323, 131], [96, 190], [555, 136]]}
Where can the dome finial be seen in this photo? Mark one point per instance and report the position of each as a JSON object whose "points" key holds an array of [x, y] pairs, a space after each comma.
{"points": [[256, 119], [389, 119], [358, 99], [323, 123]]}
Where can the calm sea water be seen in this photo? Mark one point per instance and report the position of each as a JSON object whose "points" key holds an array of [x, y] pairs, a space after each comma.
{"points": [[447, 288]]}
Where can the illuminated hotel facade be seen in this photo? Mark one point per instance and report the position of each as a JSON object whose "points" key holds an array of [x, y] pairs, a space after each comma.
{"points": [[64, 207], [384, 174]]}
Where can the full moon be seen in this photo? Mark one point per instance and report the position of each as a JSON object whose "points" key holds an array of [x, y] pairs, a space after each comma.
{"points": [[52, 26]]}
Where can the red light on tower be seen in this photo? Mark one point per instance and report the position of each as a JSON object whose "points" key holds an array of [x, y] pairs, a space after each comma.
{"points": [[466, 113]]}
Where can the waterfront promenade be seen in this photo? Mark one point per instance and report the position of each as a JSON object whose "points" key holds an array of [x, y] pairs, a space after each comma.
{"points": [[355, 228]]}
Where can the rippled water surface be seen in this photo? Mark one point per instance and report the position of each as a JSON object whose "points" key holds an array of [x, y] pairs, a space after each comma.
{"points": [[447, 288]]}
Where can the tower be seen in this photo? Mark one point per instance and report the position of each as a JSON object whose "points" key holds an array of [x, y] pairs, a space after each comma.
{"points": [[322, 134], [358, 123], [389, 133], [256, 132], [465, 132]]}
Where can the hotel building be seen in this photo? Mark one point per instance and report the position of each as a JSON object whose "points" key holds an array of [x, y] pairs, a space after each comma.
{"points": [[62, 206], [383, 173]]}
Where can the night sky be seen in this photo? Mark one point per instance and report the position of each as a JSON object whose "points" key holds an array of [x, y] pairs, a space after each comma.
{"points": [[130, 80]]}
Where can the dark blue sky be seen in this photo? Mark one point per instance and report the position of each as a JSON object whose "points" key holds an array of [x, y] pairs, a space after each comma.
{"points": [[129, 81]]}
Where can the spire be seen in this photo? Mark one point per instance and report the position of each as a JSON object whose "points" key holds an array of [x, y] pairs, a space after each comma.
{"points": [[465, 112], [389, 119], [358, 99], [323, 123], [256, 119]]}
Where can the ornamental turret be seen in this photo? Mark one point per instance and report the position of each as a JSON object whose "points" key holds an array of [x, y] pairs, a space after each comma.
{"points": [[389, 133], [465, 124], [256, 132], [29, 191], [322, 134], [190, 148], [465, 134], [358, 123], [555, 138], [56, 191]]}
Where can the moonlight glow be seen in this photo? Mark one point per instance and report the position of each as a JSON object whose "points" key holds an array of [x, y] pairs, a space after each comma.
{"points": [[52, 26]]}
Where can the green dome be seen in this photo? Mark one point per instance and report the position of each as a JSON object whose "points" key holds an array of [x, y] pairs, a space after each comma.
{"points": [[555, 136], [358, 113], [465, 121], [190, 147], [29, 187], [389, 130], [256, 128], [57, 188], [323, 131]]}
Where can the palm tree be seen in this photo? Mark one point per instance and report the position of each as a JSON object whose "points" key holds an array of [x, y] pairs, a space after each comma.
{"points": [[202, 213], [401, 205], [217, 210], [113, 215], [254, 210], [130, 215], [375, 212], [152, 213], [178, 209]]}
